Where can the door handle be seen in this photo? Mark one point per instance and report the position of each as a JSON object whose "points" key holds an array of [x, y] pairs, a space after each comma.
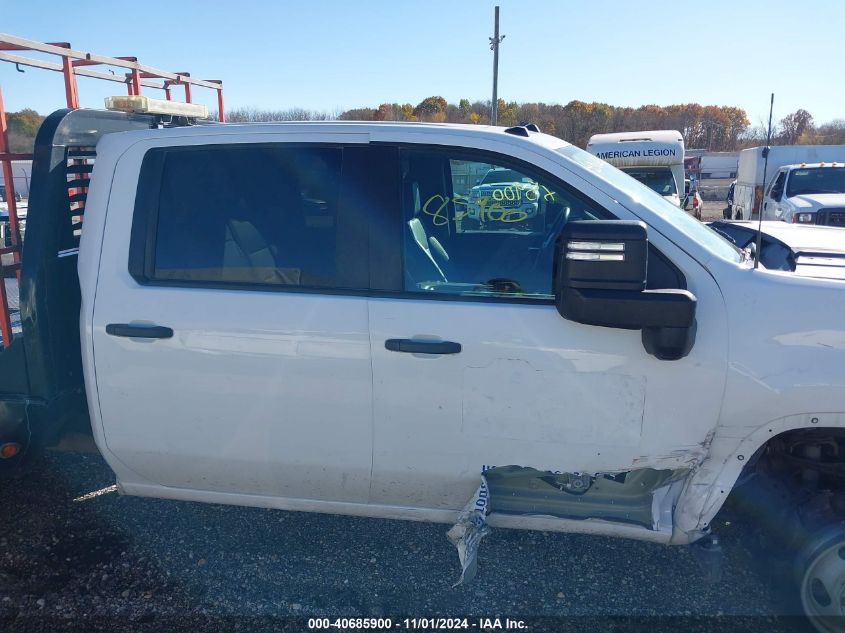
{"points": [[139, 331], [412, 346]]}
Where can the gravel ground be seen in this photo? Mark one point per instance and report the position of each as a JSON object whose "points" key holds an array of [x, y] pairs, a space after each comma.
{"points": [[712, 210], [113, 562]]}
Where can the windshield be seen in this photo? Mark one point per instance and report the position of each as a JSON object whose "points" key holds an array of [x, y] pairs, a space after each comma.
{"points": [[816, 180], [704, 235], [655, 178], [501, 175]]}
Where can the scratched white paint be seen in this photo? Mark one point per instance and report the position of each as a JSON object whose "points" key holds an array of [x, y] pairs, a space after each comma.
{"points": [[510, 400]]}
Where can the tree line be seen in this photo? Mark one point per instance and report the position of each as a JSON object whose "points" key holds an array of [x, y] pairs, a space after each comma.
{"points": [[714, 128]]}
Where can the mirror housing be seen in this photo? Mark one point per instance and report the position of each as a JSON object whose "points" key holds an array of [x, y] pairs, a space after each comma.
{"points": [[600, 279]]}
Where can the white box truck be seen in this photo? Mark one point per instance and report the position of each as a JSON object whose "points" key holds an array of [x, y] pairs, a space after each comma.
{"points": [[655, 158], [748, 194]]}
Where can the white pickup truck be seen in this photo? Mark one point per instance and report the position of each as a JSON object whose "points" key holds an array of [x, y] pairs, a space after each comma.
{"points": [[289, 316], [759, 168], [807, 193]]}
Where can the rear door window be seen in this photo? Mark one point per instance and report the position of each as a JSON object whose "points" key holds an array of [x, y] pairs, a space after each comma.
{"points": [[249, 215], [252, 215]]}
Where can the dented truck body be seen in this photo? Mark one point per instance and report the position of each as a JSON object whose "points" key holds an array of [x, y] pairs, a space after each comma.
{"points": [[622, 403]]}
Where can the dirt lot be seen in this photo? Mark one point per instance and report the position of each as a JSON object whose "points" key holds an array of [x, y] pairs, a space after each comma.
{"points": [[712, 210], [73, 553]]}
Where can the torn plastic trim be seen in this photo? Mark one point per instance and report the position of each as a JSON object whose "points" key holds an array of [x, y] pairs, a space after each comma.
{"points": [[468, 531]]}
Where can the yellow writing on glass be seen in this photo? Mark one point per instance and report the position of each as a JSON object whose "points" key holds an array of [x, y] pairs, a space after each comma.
{"points": [[506, 193], [490, 209], [438, 217]]}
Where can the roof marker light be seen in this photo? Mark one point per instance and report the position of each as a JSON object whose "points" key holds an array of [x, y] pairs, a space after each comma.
{"points": [[144, 105]]}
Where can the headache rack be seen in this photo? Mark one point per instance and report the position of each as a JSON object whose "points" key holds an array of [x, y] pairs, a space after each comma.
{"points": [[42, 393], [79, 158]]}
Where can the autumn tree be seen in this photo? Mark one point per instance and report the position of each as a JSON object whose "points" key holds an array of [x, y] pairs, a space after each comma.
{"points": [[429, 107], [832, 133], [22, 127], [359, 114], [794, 125], [385, 112], [715, 128]]}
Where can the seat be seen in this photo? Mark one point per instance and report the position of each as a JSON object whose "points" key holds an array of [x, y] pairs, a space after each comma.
{"points": [[262, 230]]}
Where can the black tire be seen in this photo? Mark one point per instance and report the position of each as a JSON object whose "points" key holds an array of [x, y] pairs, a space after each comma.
{"points": [[820, 577]]}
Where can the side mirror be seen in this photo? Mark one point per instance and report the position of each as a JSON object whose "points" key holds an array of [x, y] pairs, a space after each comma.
{"points": [[600, 279]]}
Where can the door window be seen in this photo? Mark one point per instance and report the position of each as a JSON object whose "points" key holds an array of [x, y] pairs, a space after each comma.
{"points": [[477, 227], [265, 215], [776, 189]]}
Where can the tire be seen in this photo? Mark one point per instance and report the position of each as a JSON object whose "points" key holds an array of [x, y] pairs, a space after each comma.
{"points": [[820, 576]]}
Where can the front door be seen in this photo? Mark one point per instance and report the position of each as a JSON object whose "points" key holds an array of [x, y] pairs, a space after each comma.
{"points": [[474, 367], [771, 203]]}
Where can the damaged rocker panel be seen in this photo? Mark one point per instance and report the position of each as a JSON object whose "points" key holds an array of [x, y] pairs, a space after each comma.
{"points": [[627, 497], [644, 498]]}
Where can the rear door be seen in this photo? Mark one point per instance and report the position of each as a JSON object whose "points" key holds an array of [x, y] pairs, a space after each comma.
{"points": [[255, 257]]}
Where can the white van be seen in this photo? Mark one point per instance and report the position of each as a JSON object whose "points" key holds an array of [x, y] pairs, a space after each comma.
{"points": [[655, 158]]}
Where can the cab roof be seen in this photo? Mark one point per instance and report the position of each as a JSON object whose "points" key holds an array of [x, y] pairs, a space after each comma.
{"points": [[834, 163]]}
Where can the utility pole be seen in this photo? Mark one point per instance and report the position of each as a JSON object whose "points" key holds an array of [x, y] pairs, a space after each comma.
{"points": [[494, 46]]}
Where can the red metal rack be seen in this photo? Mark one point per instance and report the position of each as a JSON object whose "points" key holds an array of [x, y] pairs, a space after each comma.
{"points": [[73, 63]]}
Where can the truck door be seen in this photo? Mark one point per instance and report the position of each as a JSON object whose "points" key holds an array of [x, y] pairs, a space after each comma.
{"points": [[771, 203], [473, 365], [232, 354]]}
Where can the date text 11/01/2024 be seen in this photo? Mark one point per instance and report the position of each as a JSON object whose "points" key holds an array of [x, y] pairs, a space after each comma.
{"points": [[381, 624]]}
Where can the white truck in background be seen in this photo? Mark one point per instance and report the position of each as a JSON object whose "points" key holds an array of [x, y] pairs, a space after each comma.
{"points": [[748, 193], [655, 158], [809, 193]]}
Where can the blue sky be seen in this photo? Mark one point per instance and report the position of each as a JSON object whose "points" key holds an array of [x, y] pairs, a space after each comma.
{"points": [[333, 55]]}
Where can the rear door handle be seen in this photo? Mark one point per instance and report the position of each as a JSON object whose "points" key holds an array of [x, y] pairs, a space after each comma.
{"points": [[411, 346], [139, 331]]}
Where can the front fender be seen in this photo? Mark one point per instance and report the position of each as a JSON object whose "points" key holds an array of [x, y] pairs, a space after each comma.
{"points": [[711, 482]]}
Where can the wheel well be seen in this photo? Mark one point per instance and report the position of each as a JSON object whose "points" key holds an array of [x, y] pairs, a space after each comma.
{"points": [[794, 483]]}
